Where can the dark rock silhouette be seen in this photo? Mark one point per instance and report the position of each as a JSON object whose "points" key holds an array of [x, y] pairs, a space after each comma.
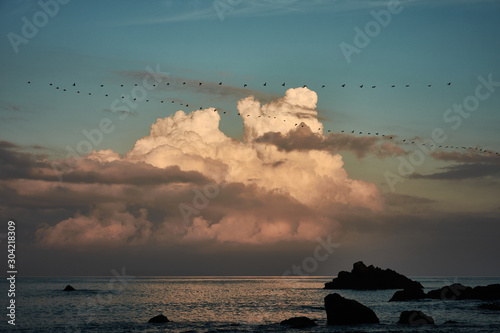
{"points": [[371, 278], [458, 291], [451, 292], [408, 294], [490, 306], [415, 318], [69, 288], [159, 319], [486, 293], [298, 322], [343, 311], [455, 291]]}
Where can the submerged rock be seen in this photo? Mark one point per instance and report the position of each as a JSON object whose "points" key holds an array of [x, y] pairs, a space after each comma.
{"points": [[371, 278], [415, 318], [343, 311], [69, 288], [298, 322], [159, 319], [490, 306]]}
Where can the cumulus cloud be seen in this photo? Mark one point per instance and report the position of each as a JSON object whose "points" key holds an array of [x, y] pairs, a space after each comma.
{"points": [[107, 225], [261, 193]]}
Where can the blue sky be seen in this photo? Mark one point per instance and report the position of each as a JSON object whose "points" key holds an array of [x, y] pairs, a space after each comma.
{"points": [[427, 42], [296, 42]]}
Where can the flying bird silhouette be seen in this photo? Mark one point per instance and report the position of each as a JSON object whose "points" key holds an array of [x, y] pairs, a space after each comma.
{"points": [[361, 86], [265, 83], [343, 86], [283, 84], [322, 86]]}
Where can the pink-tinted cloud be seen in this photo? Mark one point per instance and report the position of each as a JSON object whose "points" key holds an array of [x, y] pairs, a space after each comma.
{"points": [[264, 194]]}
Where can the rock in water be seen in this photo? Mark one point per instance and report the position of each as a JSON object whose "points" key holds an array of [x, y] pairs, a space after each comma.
{"points": [[69, 288], [299, 322], [158, 319], [451, 292], [415, 318], [408, 294], [371, 278], [343, 311], [490, 306], [486, 293]]}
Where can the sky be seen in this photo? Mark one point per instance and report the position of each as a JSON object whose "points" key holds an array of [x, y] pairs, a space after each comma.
{"points": [[261, 137]]}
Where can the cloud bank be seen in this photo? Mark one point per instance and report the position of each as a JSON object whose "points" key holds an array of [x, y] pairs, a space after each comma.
{"points": [[260, 192]]}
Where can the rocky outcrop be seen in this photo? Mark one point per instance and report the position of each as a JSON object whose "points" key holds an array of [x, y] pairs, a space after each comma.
{"points": [[458, 291], [451, 292], [69, 288], [298, 322], [486, 293], [362, 277], [408, 294], [454, 291], [415, 318], [159, 319], [343, 311]]}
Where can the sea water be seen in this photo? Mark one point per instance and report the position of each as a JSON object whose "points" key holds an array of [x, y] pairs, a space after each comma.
{"points": [[224, 304]]}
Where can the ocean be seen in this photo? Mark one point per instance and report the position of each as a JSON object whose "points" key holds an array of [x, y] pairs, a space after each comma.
{"points": [[223, 304]]}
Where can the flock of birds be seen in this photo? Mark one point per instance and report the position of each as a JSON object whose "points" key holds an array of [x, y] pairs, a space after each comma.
{"points": [[413, 141]]}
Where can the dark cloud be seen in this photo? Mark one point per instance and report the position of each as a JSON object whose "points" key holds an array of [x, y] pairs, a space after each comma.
{"points": [[209, 88], [463, 171], [487, 158], [302, 138], [123, 112], [399, 200]]}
